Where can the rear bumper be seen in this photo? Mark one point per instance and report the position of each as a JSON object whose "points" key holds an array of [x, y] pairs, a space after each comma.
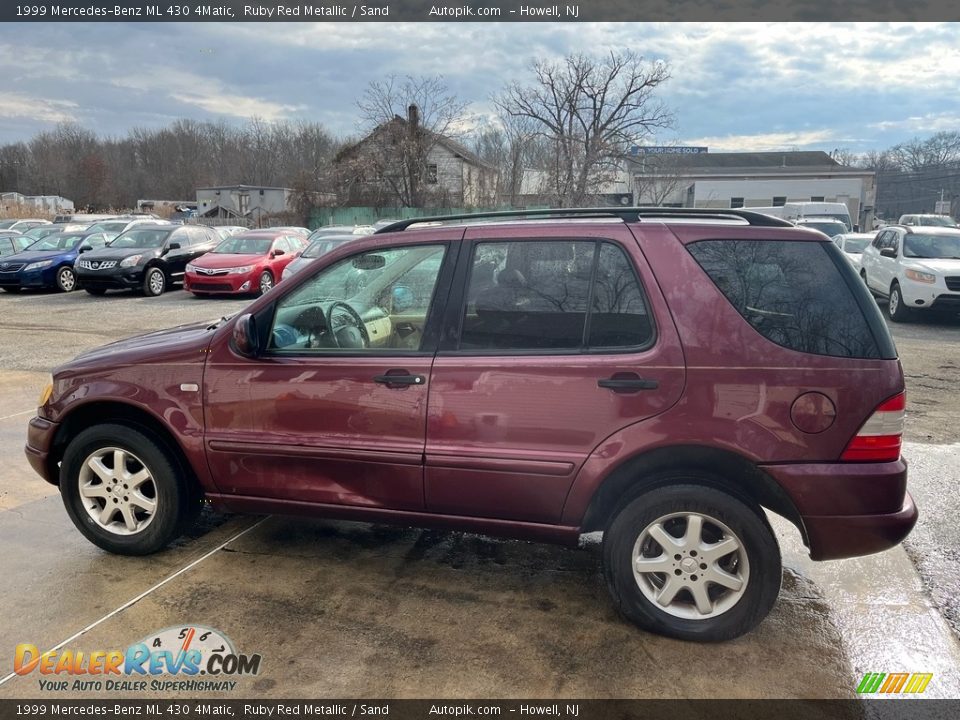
{"points": [[849, 509], [40, 434]]}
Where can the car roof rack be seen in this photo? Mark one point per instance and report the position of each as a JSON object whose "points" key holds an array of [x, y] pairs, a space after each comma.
{"points": [[627, 215]]}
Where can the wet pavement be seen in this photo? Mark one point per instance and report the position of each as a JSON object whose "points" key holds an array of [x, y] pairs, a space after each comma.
{"points": [[341, 609]]}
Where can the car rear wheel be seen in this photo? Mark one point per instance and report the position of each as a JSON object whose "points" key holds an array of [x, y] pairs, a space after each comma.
{"points": [[896, 308], [265, 283], [154, 282], [66, 279], [123, 491], [13, 290], [96, 291], [692, 562]]}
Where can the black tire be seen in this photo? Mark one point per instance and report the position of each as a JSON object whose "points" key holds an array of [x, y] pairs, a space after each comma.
{"points": [[264, 282], [96, 291], [172, 493], [12, 290], [154, 282], [763, 569], [896, 308], [66, 279]]}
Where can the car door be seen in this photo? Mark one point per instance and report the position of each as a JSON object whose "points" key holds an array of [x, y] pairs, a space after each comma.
{"points": [[887, 266], [528, 381], [870, 260], [320, 416]]}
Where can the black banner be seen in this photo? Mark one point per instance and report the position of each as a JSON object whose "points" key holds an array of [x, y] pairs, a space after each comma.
{"points": [[478, 11], [163, 709]]}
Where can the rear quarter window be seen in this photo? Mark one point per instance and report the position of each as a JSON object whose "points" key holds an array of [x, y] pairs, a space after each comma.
{"points": [[792, 293]]}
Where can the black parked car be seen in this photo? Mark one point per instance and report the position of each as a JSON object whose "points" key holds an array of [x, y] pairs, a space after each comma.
{"points": [[145, 257]]}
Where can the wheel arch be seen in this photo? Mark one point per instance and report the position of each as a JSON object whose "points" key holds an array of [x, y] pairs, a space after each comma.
{"points": [[102, 412], [712, 467]]}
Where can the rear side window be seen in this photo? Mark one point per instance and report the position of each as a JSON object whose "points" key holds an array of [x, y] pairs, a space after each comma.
{"points": [[560, 295], [791, 292]]}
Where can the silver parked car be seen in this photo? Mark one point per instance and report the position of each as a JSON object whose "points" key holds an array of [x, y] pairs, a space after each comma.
{"points": [[318, 248], [853, 244]]}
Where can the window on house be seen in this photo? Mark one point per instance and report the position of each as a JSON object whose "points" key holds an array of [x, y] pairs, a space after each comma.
{"points": [[432, 174], [736, 202], [816, 198], [779, 200]]}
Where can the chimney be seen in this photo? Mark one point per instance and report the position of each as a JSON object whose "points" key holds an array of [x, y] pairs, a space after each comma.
{"points": [[413, 115]]}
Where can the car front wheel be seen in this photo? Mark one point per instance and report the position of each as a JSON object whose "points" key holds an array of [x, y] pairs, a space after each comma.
{"points": [[265, 283], [896, 308], [66, 279], [692, 562], [154, 282], [123, 491]]}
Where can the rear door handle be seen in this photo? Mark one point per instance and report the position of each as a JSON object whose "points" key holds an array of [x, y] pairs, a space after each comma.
{"points": [[628, 383], [399, 378]]}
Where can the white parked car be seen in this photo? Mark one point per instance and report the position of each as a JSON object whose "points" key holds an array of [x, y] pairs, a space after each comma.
{"points": [[914, 267], [928, 220], [853, 245]]}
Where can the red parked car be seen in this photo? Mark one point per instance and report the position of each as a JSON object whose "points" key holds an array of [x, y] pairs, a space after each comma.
{"points": [[659, 375], [249, 262]]}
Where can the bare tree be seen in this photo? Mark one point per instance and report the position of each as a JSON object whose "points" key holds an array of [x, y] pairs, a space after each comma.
{"points": [[591, 109], [405, 118], [659, 177], [939, 149]]}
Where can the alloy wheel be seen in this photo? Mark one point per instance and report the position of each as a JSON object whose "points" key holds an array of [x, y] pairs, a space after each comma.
{"points": [[690, 565], [894, 301], [118, 491], [266, 282], [66, 280]]}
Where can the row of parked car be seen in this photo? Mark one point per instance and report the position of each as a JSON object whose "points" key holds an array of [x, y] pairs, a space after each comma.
{"points": [[913, 265], [149, 255]]}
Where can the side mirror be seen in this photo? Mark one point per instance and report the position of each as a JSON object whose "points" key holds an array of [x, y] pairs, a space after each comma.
{"points": [[889, 252], [276, 252], [85, 248], [245, 338]]}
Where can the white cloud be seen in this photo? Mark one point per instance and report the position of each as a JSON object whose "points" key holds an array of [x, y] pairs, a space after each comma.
{"points": [[17, 105], [762, 142], [931, 122]]}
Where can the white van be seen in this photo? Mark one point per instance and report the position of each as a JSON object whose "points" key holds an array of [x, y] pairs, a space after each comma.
{"points": [[771, 210], [807, 210]]}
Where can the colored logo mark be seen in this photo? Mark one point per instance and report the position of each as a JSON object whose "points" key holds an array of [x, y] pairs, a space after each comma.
{"points": [[894, 683]]}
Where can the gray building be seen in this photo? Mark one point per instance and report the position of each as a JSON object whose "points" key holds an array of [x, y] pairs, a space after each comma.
{"points": [[762, 179], [248, 203]]}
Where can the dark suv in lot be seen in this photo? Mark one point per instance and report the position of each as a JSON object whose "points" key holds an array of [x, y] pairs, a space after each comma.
{"points": [[659, 375], [148, 258]]}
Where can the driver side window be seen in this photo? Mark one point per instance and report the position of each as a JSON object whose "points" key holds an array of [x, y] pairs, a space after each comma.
{"points": [[377, 301]]}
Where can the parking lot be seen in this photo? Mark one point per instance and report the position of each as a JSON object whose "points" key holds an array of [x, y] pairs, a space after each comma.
{"points": [[339, 609]]}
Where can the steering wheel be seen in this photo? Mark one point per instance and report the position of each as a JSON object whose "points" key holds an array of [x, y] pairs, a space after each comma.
{"points": [[349, 334]]}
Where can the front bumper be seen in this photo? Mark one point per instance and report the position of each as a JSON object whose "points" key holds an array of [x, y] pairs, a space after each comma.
{"points": [[220, 284], [40, 435], [849, 509], [112, 279], [925, 295]]}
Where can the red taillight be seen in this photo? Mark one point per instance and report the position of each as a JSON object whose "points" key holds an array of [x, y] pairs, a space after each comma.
{"points": [[880, 437]]}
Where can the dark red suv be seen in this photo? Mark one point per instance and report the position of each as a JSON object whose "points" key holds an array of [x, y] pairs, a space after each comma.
{"points": [[661, 375]]}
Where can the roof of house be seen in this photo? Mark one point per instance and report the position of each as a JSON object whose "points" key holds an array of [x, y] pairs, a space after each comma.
{"points": [[453, 146], [753, 163], [243, 187]]}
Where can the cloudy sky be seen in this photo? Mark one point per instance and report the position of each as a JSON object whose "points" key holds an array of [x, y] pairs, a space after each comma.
{"points": [[734, 87]]}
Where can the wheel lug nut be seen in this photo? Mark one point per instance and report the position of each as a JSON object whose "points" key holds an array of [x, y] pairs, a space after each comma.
{"points": [[693, 553], [676, 557], [693, 577], [703, 566], [677, 571]]}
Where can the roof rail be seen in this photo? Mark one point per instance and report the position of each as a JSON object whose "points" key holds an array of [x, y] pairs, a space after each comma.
{"points": [[629, 215]]}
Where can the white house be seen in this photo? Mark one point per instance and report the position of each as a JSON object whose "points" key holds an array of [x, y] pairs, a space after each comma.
{"points": [[242, 202]]}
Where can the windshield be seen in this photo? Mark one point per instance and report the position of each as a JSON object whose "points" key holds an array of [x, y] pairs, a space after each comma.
{"points": [[828, 227], [42, 231], [114, 227], [856, 245], [240, 245], [56, 242], [938, 221], [323, 246], [916, 245], [141, 239]]}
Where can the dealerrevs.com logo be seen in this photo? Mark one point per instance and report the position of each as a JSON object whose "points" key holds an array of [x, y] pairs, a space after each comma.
{"points": [[190, 658]]}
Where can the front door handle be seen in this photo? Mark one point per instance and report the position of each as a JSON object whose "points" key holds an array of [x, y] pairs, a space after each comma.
{"points": [[627, 383], [399, 378]]}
